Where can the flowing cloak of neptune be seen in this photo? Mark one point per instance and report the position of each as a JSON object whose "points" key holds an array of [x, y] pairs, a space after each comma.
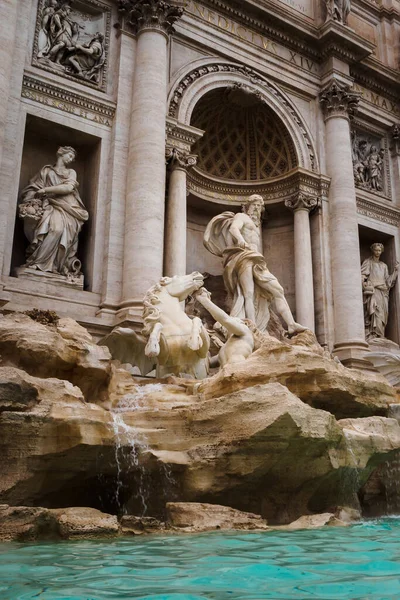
{"points": [[220, 242]]}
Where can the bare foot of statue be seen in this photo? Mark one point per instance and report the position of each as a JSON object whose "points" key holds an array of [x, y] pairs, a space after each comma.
{"points": [[296, 328]]}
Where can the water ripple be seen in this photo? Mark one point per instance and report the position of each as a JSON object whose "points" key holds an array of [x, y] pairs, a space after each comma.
{"points": [[357, 563]]}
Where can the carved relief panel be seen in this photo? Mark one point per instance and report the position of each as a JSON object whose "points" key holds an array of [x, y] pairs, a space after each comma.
{"points": [[72, 39], [370, 163]]}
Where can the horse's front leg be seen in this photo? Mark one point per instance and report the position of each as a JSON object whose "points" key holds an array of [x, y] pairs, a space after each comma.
{"points": [[195, 341], [153, 345]]}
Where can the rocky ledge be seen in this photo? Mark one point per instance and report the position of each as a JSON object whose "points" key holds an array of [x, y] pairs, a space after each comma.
{"points": [[290, 432]]}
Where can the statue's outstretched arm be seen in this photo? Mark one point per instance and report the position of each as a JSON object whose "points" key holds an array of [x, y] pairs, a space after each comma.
{"points": [[231, 324]]}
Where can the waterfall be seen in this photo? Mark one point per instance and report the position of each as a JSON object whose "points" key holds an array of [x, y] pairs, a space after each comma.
{"points": [[131, 444], [352, 478]]}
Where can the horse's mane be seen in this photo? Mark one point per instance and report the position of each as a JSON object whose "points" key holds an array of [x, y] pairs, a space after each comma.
{"points": [[151, 314]]}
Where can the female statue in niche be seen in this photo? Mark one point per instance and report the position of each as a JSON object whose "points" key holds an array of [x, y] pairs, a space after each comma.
{"points": [[376, 286], [53, 214]]}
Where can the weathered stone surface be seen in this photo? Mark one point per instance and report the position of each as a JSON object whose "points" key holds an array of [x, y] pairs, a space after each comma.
{"points": [[85, 522], [311, 374], [193, 516], [315, 522], [240, 439], [50, 444], [24, 523], [132, 525], [65, 351]]}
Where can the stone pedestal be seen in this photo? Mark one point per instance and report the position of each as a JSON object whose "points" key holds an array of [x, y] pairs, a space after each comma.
{"points": [[145, 195], [339, 103], [302, 204], [175, 232], [35, 275]]}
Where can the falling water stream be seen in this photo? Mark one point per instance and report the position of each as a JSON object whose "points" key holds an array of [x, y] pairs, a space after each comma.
{"points": [[131, 444]]}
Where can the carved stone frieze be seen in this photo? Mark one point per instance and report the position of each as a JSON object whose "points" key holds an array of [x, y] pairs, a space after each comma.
{"points": [[338, 100], [386, 214], [369, 162], [72, 40], [177, 158], [152, 14], [301, 201], [72, 103]]}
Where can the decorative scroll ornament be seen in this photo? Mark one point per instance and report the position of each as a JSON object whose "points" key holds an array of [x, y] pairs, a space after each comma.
{"points": [[152, 14], [179, 158], [301, 201], [338, 100]]}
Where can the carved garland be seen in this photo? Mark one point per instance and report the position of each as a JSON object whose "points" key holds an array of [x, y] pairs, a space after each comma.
{"points": [[254, 78]]}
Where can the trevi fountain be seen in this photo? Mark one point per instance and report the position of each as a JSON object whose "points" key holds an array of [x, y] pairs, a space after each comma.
{"points": [[199, 300]]}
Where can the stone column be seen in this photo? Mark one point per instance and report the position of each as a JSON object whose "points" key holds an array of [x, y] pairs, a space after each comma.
{"points": [[339, 104], [152, 21], [302, 204], [8, 16], [175, 232]]}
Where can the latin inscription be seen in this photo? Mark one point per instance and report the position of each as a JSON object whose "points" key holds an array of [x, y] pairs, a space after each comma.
{"points": [[389, 105], [252, 37], [66, 107]]}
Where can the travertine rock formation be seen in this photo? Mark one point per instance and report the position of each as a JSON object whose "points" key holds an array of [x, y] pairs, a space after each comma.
{"points": [[253, 438], [310, 373], [193, 516]]}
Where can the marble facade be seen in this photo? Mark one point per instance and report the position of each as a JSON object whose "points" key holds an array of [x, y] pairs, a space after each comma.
{"points": [[180, 110]]}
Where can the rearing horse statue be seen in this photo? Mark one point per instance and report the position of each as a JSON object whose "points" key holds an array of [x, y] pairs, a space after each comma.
{"points": [[170, 340]]}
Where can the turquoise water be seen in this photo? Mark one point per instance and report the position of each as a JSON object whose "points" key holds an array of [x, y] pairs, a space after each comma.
{"points": [[361, 562]]}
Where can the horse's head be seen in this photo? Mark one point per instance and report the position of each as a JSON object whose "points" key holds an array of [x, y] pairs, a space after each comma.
{"points": [[181, 286]]}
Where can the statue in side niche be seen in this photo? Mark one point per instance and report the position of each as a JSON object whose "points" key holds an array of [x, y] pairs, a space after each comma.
{"points": [[53, 215], [250, 285], [170, 341], [376, 286], [338, 10]]}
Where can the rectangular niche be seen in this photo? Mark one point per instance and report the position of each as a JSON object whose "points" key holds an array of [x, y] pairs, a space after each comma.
{"points": [[41, 142], [368, 237]]}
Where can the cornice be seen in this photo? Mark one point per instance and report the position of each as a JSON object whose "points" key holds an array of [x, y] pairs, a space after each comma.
{"points": [[374, 210], [377, 77], [275, 190], [293, 36], [51, 95]]}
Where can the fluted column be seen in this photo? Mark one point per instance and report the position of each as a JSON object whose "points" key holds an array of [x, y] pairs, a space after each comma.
{"points": [[339, 104], [302, 204], [152, 21], [175, 232]]}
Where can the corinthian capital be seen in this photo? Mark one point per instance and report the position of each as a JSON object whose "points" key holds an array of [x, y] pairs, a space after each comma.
{"points": [[179, 158], [301, 201], [152, 14], [338, 100]]}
